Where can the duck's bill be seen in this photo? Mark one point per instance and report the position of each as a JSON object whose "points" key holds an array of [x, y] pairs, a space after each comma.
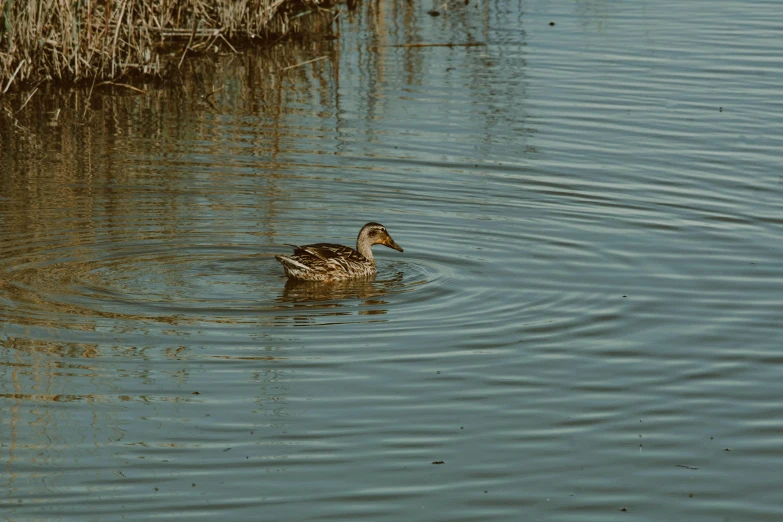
{"points": [[392, 244]]}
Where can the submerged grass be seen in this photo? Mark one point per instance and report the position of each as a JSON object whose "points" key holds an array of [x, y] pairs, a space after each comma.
{"points": [[89, 40]]}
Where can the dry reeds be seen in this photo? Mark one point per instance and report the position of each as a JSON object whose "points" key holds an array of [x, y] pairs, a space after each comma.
{"points": [[77, 40]]}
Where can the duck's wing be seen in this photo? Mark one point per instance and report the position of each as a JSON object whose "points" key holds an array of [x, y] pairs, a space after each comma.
{"points": [[327, 251], [307, 251]]}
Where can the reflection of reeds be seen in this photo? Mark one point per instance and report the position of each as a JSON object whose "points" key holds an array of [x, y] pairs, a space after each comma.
{"points": [[77, 40]]}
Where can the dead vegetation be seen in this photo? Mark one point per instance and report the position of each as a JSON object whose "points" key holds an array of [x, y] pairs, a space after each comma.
{"points": [[104, 40]]}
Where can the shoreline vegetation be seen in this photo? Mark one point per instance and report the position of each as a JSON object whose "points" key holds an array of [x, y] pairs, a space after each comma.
{"points": [[94, 41]]}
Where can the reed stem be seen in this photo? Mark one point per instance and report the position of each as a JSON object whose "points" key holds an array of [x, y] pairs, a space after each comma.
{"points": [[89, 40]]}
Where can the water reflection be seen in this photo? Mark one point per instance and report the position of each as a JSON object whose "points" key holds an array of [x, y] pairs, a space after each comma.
{"points": [[147, 328], [311, 300], [296, 291]]}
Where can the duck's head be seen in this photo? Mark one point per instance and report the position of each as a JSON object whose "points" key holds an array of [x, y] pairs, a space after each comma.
{"points": [[375, 234]]}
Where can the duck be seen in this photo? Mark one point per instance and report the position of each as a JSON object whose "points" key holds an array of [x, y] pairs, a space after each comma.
{"points": [[332, 262]]}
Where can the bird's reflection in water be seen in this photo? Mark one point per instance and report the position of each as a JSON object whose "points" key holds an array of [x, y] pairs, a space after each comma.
{"points": [[320, 295], [370, 288]]}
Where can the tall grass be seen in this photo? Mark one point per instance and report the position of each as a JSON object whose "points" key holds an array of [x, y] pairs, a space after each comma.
{"points": [[76, 40]]}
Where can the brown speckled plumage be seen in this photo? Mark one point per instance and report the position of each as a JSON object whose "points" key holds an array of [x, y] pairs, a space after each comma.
{"points": [[332, 262]]}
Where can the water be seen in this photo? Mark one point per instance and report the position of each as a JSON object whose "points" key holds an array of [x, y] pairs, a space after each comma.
{"points": [[586, 318]]}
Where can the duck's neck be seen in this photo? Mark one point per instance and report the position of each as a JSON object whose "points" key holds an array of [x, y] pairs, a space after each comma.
{"points": [[364, 247]]}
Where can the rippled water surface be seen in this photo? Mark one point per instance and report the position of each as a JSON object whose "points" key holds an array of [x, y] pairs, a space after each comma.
{"points": [[585, 323]]}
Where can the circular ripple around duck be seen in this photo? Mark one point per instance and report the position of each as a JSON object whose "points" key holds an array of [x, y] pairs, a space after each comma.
{"points": [[137, 283], [131, 285]]}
